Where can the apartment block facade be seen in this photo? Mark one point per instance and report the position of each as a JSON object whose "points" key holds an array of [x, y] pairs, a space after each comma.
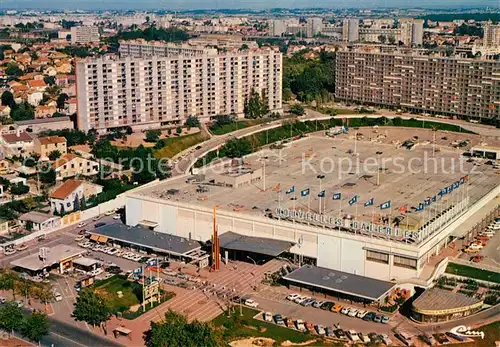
{"points": [[154, 91], [420, 83], [84, 34]]}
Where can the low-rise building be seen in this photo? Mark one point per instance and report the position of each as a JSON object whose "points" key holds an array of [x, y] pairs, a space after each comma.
{"points": [[71, 195], [45, 145], [42, 111], [36, 126], [17, 143], [38, 221], [71, 165], [4, 227], [4, 166]]}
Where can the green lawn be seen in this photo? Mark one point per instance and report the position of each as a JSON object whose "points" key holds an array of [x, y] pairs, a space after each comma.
{"points": [[472, 272], [175, 145], [132, 291], [241, 327]]}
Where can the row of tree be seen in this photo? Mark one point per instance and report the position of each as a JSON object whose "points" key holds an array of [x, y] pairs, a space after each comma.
{"points": [[33, 326]]}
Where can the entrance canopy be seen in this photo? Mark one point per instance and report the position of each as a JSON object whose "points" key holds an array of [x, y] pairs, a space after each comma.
{"points": [[260, 245], [341, 282]]}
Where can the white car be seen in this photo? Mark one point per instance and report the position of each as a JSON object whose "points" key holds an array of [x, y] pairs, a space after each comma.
{"points": [[345, 310], [353, 335], [96, 272], [117, 216], [361, 313], [251, 303], [268, 317], [299, 323], [292, 297], [353, 312], [9, 251], [79, 237], [96, 218], [137, 257], [301, 299], [109, 213], [112, 251], [494, 227], [81, 224], [57, 296], [22, 247]]}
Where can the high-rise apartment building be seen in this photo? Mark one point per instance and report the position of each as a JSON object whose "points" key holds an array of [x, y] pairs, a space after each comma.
{"points": [[350, 30], [84, 34], [421, 83], [152, 91], [412, 31], [143, 49], [491, 35]]}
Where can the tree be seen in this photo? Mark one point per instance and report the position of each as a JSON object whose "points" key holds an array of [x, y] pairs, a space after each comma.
{"points": [[153, 135], [91, 307], [44, 295], [13, 70], [392, 40], [76, 203], [35, 326], [61, 101], [382, 38], [50, 80], [8, 99], [52, 90], [255, 106], [83, 203], [11, 316], [297, 110], [19, 189], [24, 111], [244, 47], [175, 330], [54, 155], [47, 175], [129, 130], [7, 280], [178, 130], [235, 148], [192, 122]]}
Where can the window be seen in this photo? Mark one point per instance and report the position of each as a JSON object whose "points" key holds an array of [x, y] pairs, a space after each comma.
{"points": [[405, 262], [377, 256]]}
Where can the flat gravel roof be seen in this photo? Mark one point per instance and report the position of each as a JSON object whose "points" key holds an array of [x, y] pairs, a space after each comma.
{"points": [[342, 282], [435, 299], [260, 245], [145, 237]]}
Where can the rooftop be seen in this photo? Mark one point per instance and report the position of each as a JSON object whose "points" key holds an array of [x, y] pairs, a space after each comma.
{"points": [[43, 120], [36, 217], [435, 299], [342, 282], [64, 190], [17, 137], [54, 255], [83, 261], [261, 245], [51, 139], [142, 236], [63, 160]]}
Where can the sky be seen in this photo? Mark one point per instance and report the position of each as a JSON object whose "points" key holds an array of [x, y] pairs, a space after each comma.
{"points": [[236, 4]]}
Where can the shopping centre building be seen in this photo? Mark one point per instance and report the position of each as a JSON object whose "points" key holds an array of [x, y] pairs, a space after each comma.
{"points": [[354, 237]]}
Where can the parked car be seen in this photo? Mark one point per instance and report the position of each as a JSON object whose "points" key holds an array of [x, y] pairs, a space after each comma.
{"points": [[317, 304], [345, 310], [278, 319], [9, 251], [386, 339], [299, 323], [268, 316], [117, 216], [82, 232], [340, 334], [96, 218], [352, 312], [336, 308], [112, 251], [251, 303], [79, 238], [361, 313], [299, 299], [19, 303], [406, 338], [329, 332], [429, 339], [2, 300], [327, 305], [320, 330], [378, 318], [307, 302], [385, 320], [310, 327], [22, 247], [290, 322], [57, 296], [109, 213], [352, 335], [375, 338], [81, 224], [364, 338]]}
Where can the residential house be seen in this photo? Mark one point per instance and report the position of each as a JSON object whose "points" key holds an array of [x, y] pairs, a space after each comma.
{"points": [[34, 98], [71, 165], [70, 195], [4, 166], [71, 105], [42, 111], [38, 221], [38, 85], [18, 143], [45, 145], [5, 111], [4, 227]]}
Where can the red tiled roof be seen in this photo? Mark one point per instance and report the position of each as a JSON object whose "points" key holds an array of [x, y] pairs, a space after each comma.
{"points": [[51, 139], [65, 189], [63, 160], [37, 83], [13, 138]]}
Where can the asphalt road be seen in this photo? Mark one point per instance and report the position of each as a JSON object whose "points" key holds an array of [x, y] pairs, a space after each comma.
{"points": [[63, 334]]}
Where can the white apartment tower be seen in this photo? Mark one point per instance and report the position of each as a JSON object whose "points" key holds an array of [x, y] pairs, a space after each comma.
{"points": [[84, 34], [154, 91], [350, 30], [491, 35]]}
